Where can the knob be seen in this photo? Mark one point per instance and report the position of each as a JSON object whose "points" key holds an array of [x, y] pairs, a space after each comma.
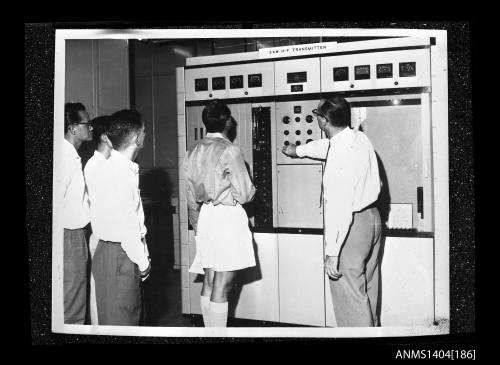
{"points": [[297, 119], [297, 132], [286, 132], [309, 140], [309, 119], [395, 82], [286, 119], [209, 95], [246, 92], [352, 86], [287, 143], [297, 143], [309, 131]]}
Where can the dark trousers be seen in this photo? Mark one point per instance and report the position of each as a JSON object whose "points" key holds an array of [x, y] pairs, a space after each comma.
{"points": [[355, 294], [75, 276], [117, 286]]}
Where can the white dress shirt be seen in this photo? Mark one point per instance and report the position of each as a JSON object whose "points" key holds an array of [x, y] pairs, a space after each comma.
{"points": [[351, 181], [116, 208], [75, 211]]}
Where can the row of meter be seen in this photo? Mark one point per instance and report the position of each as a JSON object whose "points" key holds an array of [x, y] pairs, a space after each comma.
{"points": [[351, 72]]}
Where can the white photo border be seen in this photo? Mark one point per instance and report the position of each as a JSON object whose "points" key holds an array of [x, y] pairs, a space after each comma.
{"points": [[442, 305]]}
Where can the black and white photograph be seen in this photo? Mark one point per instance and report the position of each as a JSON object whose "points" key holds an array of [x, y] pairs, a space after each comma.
{"points": [[251, 182]]}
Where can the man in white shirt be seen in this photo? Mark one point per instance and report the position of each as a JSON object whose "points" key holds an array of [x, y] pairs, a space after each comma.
{"points": [[351, 185], [95, 173], [121, 259], [75, 213]]}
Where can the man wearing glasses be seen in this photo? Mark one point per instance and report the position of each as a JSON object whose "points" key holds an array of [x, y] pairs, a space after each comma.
{"points": [[75, 213], [351, 185]]}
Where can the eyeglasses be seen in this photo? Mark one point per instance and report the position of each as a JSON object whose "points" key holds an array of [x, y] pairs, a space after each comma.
{"points": [[87, 124], [316, 113]]}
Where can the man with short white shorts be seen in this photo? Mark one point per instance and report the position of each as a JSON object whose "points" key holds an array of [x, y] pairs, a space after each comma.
{"points": [[217, 185]]}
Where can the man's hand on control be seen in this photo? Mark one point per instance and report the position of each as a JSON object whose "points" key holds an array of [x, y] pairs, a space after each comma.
{"points": [[290, 150], [332, 267], [145, 273]]}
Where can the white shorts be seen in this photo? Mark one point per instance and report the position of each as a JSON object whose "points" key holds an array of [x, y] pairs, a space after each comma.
{"points": [[223, 241]]}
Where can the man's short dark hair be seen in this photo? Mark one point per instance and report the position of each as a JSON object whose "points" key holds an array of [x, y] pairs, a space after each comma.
{"points": [[100, 126], [71, 114], [337, 110], [123, 124], [215, 115]]}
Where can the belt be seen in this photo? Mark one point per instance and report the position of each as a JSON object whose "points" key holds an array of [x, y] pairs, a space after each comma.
{"points": [[110, 242]]}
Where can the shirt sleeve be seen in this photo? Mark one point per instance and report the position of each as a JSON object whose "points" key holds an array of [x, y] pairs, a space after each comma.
{"points": [[338, 202], [314, 149], [193, 205], [235, 170], [128, 218]]}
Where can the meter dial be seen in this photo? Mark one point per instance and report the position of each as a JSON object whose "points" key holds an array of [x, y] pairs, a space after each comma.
{"points": [[236, 82], [255, 80], [201, 84]]}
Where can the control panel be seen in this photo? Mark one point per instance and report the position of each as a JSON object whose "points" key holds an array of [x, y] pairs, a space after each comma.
{"points": [[262, 167], [376, 70], [230, 81], [295, 124]]}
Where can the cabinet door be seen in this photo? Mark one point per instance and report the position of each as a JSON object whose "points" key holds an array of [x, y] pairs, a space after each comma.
{"points": [[257, 288], [299, 191], [407, 282], [301, 279], [194, 125]]}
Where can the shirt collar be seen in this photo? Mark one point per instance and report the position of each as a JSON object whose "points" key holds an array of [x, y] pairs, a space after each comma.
{"points": [[122, 159], [215, 135], [68, 146], [343, 135], [99, 155]]}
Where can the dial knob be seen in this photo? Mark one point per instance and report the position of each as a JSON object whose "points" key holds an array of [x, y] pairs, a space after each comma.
{"points": [[309, 140], [297, 143], [297, 119], [297, 132], [287, 143], [286, 132], [309, 131], [309, 119], [286, 119]]}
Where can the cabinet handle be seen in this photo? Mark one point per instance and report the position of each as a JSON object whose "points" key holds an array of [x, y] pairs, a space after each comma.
{"points": [[420, 201], [201, 133], [196, 134]]}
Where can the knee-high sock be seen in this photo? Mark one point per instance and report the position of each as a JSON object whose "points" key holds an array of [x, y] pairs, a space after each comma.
{"points": [[218, 314], [205, 310]]}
